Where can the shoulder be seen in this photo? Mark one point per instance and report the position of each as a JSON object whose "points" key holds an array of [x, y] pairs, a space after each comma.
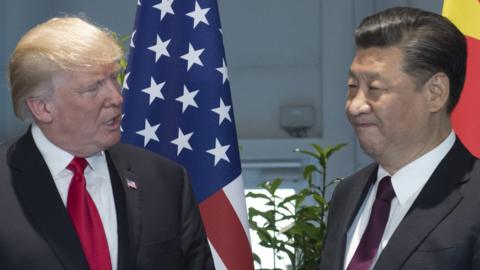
{"points": [[140, 157], [363, 174], [4, 147], [7, 148], [473, 177], [132, 152]]}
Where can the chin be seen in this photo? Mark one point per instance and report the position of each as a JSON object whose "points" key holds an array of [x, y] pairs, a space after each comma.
{"points": [[370, 148], [111, 140]]}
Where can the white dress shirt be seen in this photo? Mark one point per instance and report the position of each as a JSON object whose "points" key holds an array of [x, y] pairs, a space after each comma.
{"points": [[407, 184], [98, 184]]}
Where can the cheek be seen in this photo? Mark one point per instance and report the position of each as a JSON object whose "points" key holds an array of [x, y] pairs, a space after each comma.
{"points": [[399, 121], [348, 103]]}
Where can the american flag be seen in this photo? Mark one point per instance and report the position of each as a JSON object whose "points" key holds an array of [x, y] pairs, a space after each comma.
{"points": [[178, 104]]}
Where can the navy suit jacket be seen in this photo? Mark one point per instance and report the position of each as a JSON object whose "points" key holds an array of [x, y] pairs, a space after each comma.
{"points": [[440, 231], [159, 225]]}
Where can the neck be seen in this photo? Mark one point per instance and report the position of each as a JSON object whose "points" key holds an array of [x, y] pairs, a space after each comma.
{"points": [[431, 140], [65, 143]]}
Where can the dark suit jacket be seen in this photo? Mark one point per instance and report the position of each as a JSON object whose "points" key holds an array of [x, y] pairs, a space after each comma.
{"points": [[159, 225], [440, 231]]}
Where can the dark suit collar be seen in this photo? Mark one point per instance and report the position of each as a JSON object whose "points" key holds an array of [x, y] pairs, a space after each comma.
{"points": [[436, 200], [125, 258], [120, 167], [39, 197], [359, 185]]}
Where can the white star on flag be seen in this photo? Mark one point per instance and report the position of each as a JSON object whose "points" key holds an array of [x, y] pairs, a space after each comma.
{"points": [[139, 3], [182, 141], [223, 112], [220, 152], [165, 7], [187, 99], [125, 83], [131, 39], [154, 91], [198, 15], [148, 133], [121, 129], [223, 69], [193, 56], [160, 48]]}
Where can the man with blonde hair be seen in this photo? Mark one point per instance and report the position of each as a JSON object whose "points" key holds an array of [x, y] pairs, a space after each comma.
{"points": [[72, 196]]}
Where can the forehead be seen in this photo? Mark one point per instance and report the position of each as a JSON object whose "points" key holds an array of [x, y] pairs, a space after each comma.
{"points": [[85, 76], [375, 61]]}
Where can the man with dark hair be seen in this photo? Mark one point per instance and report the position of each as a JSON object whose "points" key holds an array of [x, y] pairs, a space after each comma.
{"points": [[417, 206]]}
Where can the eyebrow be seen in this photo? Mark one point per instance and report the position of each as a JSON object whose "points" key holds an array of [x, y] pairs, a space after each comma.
{"points": [[369, 75], [351, 74], [95, 82]]}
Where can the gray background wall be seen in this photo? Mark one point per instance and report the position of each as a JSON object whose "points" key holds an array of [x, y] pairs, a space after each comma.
{"points": [[279, 53]]}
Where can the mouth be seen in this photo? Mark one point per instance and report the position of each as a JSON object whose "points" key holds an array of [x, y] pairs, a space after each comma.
{"points": [[113, 123], [360, 124], [363, 125]]}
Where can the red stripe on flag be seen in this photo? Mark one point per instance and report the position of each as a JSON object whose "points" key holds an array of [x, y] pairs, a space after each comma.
{"points": [[466, 115], [226, 232]]}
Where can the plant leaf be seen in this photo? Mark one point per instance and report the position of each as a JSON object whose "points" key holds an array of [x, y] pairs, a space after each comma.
{"points": [[258, 195], [308, 170], [256, 258], [334, 149]]}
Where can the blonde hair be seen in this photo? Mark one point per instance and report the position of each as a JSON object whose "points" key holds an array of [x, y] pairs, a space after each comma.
{"points": [[59, 44]]}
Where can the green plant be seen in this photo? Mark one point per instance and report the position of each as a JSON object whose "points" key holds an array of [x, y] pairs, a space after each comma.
{"points": [[302, 240], [123, 42]]}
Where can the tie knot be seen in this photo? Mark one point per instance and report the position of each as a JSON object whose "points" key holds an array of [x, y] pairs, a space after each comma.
{"points": [[385, 190], [77, 165]]}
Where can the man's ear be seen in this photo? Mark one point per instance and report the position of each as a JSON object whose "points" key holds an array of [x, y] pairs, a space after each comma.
{"points": [[41, 109], [437, 91]]}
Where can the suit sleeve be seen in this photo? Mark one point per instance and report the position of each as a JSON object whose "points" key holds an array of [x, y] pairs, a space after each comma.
{"points": [[194, 240]]}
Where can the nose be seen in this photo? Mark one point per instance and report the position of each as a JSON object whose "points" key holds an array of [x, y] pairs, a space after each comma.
{"points": [[115, 97], [357, 104]]}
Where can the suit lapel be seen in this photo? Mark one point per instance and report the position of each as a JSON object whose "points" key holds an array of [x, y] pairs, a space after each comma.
{"points": [[124, 261], [39, 197], [438, 198], [360, 185], [123, 170]]}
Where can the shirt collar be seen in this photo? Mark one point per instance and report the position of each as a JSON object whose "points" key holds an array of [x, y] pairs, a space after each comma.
{"points": [[58, 159], [411, 178], [98, 163]]}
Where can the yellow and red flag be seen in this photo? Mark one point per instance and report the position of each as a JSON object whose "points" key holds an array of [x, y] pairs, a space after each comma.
{"points": [[465, 14]]}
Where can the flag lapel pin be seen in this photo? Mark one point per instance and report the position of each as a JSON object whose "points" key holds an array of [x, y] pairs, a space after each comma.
{"points": [[131, 180], [131, 184]]}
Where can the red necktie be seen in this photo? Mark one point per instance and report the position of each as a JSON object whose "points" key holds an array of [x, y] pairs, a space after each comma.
{"points": [[368, 246], [86, 219]]}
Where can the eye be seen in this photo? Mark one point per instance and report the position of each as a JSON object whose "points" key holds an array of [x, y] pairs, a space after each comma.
{"points": [[352, 85], [352, 90], [376, 87], [92, 89]]}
